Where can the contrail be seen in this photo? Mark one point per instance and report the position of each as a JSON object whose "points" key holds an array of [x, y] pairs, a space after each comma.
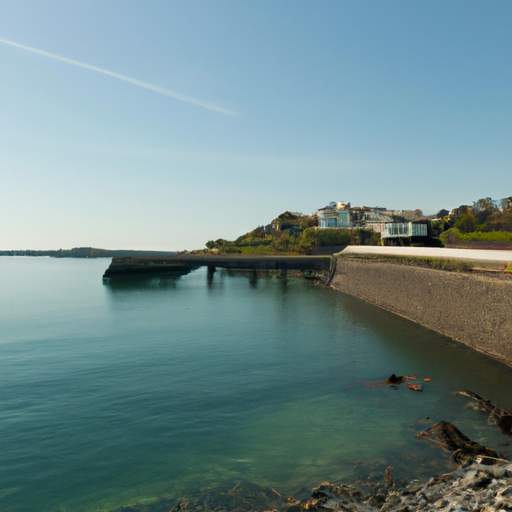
{"points": [[172, 94]]}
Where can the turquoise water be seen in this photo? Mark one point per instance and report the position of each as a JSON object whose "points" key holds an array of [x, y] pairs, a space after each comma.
{"points": [[142, 388]]}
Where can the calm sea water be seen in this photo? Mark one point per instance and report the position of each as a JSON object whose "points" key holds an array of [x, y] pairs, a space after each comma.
{"points": [[142, 388]]}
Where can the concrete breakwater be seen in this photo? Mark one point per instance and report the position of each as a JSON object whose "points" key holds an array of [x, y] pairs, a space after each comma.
{"points": [[183, 263], [147, 265], [472, 308]]}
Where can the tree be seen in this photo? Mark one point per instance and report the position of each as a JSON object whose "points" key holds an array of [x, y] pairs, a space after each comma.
{"points": [[500, 221], [483, 208], [461, 210], [442, 213], [467, 222], [220, 242], [456, 213]]}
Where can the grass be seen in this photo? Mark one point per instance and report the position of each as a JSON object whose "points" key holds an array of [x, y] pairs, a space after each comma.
{"points": [[450, 265]]}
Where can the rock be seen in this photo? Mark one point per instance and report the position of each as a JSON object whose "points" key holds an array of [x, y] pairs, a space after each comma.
{"points": [[477, 487], [396, 380], [443, 502], [413, 487], [450, 438], [388, 477], [500, 416]]}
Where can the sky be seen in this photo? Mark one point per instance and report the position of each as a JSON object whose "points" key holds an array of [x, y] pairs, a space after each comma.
{"points": [[164, 124]]}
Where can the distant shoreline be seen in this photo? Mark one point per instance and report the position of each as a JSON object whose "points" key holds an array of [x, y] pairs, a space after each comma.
{"points": [[85, 252]]}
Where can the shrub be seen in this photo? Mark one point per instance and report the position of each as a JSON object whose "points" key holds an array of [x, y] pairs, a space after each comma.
{"points": [[467, 223], [326, 237], [477, 236]]}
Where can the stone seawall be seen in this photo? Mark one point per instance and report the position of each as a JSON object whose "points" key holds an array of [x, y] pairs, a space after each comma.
{"points": [[473, 309]]}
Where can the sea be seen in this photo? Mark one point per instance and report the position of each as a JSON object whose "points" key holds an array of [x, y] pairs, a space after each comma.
{"points": [[233, 390]]}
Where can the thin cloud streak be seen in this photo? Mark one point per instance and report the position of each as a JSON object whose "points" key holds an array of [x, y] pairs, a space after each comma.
{"points": [[166, 92]]}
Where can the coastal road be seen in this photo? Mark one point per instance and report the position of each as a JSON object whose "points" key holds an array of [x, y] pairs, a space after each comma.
{"points": [[432, 252]]}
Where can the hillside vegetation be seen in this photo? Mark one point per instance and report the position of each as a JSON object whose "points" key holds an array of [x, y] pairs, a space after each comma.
{"points": [[296, 233], [481, 222], [292, 233]]}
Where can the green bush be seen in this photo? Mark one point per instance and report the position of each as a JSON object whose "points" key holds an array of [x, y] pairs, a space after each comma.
{"points": [[446, 234], [296, 239], [477, 236], [258, 250], [326, 237], [467, 223]]}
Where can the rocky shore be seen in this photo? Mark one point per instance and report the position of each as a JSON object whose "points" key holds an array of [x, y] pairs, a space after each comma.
{"points": [[483, 481], [479, 487]]}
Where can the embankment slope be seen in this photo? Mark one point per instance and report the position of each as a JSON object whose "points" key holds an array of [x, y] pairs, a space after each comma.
{"points": [[473, 309]]}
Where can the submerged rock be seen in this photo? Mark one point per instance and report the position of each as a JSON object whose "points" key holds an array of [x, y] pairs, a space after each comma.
{"points": [[476, 487], [483, 482], [396, 380], [497, 415], [450, 438]]}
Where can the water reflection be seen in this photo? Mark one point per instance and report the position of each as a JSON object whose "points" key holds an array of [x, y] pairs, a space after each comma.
{"points": [[253, 279], [142, 282], [123, 392], [448, 363], [209, 276], [283, 326], [255, 275]]}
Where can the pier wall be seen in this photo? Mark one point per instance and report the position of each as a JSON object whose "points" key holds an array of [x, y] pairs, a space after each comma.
{"points": [[473, 309], [187, 262]]}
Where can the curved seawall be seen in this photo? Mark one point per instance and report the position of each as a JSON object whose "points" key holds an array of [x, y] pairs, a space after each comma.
{"points": [[473, 309]]}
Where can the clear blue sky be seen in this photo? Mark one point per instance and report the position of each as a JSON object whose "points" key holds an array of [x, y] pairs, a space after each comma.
{"points": [[196, 120]]}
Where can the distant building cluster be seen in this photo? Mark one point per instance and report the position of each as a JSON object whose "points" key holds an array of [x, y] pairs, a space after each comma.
{"points": [[343, 215], [403, 226], [390, 224]]}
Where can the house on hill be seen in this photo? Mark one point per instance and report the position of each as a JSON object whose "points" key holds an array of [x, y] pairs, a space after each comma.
{"points": [[343, 215], [394, 229], [294, 222], [335, 215]]}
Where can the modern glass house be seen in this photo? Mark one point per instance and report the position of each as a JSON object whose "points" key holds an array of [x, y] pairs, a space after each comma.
{"points": [[335, 215]]}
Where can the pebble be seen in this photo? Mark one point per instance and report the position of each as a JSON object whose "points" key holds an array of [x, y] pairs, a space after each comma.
{"points": [[477, 487]]}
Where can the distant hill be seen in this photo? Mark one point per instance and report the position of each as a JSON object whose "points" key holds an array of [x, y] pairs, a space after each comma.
{"points": [[85, 252]]}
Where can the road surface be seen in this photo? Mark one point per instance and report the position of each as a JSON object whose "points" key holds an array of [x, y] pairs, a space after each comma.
{"points": [[433, 252]]}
